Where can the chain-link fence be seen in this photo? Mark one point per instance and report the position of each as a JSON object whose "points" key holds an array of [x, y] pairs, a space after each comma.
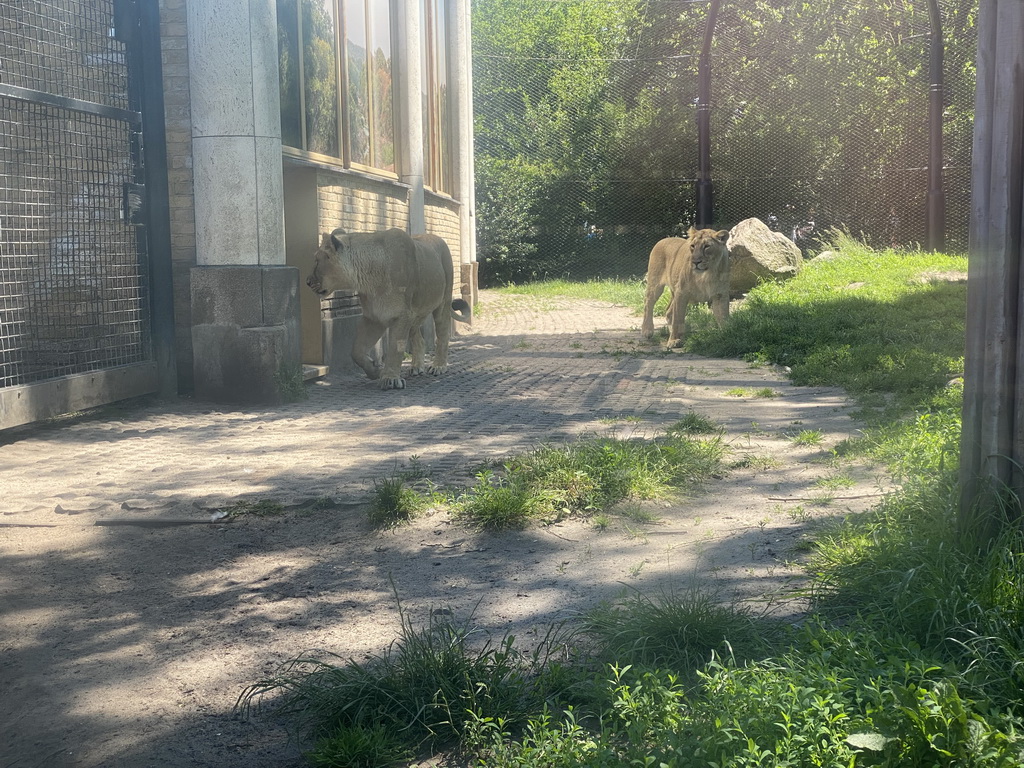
{"points": [[586, 128], [73, 274]]}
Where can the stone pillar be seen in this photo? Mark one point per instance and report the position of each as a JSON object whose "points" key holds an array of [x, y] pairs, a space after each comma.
{"points": [[245, 321], [410, 129]]}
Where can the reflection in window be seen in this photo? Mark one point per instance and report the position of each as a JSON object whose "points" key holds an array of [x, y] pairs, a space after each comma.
{"points": [[383, 93], [312, 97], [288, 56], [357, 89], [319, 71], [437, 113]]}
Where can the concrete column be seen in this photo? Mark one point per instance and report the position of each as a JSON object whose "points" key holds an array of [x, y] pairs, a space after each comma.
{"points": [[245, 330], [410, 93], [461, 36]]}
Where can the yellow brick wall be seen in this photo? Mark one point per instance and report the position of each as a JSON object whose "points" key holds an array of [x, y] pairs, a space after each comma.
{"points": [[360, 204], [442, 219]]}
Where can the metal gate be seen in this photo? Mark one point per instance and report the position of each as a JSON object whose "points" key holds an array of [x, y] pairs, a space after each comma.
{"points": [[75, 327]]}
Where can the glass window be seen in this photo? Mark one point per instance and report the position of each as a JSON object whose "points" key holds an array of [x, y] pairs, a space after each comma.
{"points": [[319, 72], [288, 55], [381, 88], [357, 87], [350, 117]]}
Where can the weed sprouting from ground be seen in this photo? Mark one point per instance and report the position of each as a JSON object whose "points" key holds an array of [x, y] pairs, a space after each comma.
{"points": [[257, 507], [392, 502], [694, 424]]}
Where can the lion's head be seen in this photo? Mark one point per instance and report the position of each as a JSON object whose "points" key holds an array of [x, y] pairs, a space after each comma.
{"points": [[329, 274], [708, 249]]}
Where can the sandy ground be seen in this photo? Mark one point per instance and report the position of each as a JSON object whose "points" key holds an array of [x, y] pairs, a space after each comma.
{"points": [[125, 639]]}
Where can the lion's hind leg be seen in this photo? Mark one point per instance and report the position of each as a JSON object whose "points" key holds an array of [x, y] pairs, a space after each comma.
{"points": [[368, 333], [442, 335]]}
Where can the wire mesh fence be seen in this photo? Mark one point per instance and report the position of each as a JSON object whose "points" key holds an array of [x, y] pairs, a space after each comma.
{"points": [[73, 275], [587, 147]]}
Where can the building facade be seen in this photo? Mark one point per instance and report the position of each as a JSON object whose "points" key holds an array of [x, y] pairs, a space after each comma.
{"points": [[288, 119], [167, 168]]}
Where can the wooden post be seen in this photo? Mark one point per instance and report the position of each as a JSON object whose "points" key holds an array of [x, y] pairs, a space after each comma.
{"points": [[992, 444]]}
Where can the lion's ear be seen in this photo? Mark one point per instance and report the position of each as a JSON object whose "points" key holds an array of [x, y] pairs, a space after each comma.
{"points": [[691, 232], [722, 235], [336, 238]]}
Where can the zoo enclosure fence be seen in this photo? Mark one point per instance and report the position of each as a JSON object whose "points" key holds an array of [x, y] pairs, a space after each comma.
{"points": [[587, 115]]}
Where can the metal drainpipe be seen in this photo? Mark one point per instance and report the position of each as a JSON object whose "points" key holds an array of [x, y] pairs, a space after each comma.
{"points": [[935, 213], [158, 225], [705, 189]]}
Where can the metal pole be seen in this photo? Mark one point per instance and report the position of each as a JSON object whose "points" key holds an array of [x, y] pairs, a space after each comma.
{"points": [[935, 215], [158, 224], [705, 189]]}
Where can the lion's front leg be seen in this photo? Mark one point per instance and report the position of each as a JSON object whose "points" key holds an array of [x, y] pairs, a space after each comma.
{"points": [[676, 316], [651, 296], [391, 375], [417, 348], [368, 333], [720, 308]]}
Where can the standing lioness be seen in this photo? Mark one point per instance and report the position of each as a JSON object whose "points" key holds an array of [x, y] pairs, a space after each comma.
{"points": [[696, 269], [400, 280]]}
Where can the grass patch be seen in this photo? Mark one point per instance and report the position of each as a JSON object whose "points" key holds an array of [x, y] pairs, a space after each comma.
{"points": [[897, 333], [681, 630], [808, 437], [586, 477], [912, 655], [416, 695]]}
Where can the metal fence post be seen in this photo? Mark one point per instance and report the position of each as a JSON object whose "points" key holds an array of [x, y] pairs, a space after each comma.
{"points": [[935, 214], [705, 188]]}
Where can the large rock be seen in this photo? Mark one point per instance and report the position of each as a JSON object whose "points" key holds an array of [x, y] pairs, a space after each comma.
{"points": [[760, 254]]}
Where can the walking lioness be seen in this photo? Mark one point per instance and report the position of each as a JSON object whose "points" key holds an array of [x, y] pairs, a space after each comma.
{"points": [[400, 280], [696, 269]]}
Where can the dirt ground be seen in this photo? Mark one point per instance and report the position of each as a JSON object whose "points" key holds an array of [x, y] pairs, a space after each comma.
{"points": [[126, 637]]}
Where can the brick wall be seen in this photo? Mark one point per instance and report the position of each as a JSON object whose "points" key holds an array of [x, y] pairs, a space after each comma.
{"points": [[177, 114], [360, 204], [442, 218]]}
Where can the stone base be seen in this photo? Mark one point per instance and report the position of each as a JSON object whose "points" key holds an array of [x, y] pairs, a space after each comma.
{"points": [[245, 332]]}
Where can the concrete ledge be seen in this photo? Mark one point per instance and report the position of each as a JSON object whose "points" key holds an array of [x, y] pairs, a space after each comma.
{"points": [[245, 332], [46, 399]]}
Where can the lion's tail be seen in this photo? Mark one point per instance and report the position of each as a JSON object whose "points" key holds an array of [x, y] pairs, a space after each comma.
{"points": [[462, 312]]}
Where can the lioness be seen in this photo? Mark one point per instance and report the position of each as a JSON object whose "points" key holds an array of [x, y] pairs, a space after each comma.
{"points": [[400, 280], [696, 269]]}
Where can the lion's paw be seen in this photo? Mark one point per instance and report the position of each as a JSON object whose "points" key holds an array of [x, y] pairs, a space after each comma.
{"points": [[414, 371], [436, 370], [396, 382]]}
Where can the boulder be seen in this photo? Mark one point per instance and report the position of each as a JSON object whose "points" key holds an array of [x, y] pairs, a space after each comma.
{"points": [[760, 254]]}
